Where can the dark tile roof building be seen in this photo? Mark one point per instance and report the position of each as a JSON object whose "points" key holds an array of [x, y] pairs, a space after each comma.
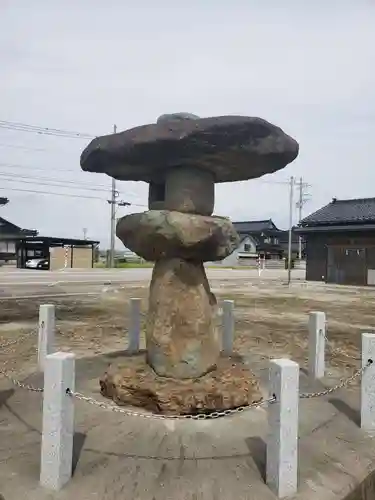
{"points": [[339, 212], [340, 242], [270, 240], [255, 226]]}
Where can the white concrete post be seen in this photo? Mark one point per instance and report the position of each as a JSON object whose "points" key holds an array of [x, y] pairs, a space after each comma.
{"points": [[58, 421], [368, 383], [134, 325], [282, 442], [46, 336], [228, 327], [317, 344]]}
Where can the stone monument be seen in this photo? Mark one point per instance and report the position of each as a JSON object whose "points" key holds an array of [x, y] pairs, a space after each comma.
{"points": [[181, 156]]}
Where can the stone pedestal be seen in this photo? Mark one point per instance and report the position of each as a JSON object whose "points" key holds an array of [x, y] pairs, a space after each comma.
{"points": [[133, 382], [181, 336]]}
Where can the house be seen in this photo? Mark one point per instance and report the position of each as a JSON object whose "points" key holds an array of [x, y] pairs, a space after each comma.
{"points": [[340, 242], [9, 235], [271, 242], [263, 239], [25, 244], [245, 252]]}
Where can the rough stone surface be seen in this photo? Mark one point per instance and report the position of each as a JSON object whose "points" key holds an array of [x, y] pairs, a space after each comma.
{"points": [[191, 190], [175, 117], [158, 234], [134, 383], [233, 148], [181, 336]]}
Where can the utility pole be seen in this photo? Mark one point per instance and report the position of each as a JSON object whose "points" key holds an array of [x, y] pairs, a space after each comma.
{"points": [[300, 205], [84, 233], [290, 229], [113, 218]]}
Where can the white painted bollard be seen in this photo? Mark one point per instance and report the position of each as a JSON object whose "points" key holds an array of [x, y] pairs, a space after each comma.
{"points": [[282, 442], [228, 327], [368, 383], [134, 325], [317, 344], [46, 334], [58, 421]]}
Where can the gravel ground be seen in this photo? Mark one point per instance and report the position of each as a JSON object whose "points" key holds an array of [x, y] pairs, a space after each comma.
{"points": [[271, 320]]}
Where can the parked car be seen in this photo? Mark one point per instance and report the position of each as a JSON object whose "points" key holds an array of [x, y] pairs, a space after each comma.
{"points": [[37, 264]]}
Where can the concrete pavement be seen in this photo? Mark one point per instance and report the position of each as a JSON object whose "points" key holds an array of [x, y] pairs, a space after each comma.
{"points": [[120, 457]]}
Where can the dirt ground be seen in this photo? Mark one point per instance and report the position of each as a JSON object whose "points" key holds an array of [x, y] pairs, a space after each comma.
{"points": [[271, 320]]}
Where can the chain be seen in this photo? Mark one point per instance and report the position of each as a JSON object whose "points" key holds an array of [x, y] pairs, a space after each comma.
{"points": [[340, 385], [17, 340], [20, 384], [214, 414], [199, 416], [7, 375]]}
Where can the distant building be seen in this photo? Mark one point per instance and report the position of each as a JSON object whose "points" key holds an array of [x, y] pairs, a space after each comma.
{"points": [[263, 239], [9, 236], [340, 242], [21, 245], [271, 242]]}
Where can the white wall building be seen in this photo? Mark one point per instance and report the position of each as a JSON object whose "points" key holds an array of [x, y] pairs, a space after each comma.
{"points": [[245, 254]]}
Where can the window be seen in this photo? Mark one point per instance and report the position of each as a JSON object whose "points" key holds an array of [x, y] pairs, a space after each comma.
{"points": [[275, 241], [247, 247], [267, 240]]}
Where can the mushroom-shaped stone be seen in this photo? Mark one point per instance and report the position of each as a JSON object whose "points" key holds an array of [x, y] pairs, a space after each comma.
{"points": [[159, 234], [231, 148]]}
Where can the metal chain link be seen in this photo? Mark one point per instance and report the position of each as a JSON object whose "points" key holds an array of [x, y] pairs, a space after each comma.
{"points": [[340, 385], [200, 416], [214, 414], [16, 341], [19, 384], [10, 377]]}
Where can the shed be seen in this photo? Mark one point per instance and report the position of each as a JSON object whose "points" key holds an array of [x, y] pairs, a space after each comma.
{"points": [[60, 252]]}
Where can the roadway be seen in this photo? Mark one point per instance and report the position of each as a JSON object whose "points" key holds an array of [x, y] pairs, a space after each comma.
{"points": [[16, 283]]}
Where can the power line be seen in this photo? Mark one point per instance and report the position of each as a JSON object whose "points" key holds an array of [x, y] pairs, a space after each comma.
{"points": [[72, 183], [51, 193], [29, 167], [51, 183], [25, 148], [63, 194], [36, 129], [75, 184]]}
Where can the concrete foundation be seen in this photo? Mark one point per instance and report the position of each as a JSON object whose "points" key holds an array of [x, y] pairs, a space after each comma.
{"points": [[118, 457]]}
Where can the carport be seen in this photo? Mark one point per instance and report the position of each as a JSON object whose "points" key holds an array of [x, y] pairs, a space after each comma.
{"points": [[60, 252]]}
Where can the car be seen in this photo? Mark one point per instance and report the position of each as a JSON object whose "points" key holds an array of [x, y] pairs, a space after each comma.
{"points": [[37, 264]]}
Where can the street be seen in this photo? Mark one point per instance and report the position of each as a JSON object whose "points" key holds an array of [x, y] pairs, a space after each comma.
{"points": [[17, 283]]}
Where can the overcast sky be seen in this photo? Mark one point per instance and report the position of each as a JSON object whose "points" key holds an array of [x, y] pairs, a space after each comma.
{"points": [[83, 65]]}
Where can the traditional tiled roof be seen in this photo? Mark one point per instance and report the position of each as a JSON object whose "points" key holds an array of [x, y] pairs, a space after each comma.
{"points": [[360, 211], [7, 227], [254, 226]]}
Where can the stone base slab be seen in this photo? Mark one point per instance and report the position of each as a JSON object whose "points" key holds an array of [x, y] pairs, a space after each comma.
{"points": [[132, 381]]}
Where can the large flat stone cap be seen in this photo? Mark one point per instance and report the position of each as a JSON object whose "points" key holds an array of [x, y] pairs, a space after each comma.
{"points": [[234, 148]]}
